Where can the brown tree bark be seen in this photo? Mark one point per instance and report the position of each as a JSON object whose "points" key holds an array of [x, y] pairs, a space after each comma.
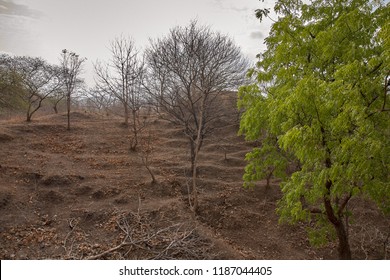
{"points": [[344, 249], [68, 110]]}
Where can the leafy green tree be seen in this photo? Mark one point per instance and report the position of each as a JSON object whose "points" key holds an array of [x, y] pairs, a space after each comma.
{"points": [[320, 95]]}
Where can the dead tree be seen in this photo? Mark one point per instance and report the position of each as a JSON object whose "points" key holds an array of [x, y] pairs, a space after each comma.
{"points": [[71, 67], [121, 78], [187, 71]]}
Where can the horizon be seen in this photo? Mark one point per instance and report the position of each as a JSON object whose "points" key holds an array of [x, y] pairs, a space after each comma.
{"points": [[42, 28]]}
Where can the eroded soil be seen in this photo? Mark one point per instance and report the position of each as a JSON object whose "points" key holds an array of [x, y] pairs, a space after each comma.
{"points": [[82, 194]]}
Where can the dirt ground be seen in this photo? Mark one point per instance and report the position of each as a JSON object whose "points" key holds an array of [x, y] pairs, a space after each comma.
{"points": [[81, 194]]}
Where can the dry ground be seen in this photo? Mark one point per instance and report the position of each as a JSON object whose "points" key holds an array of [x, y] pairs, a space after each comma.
{"points": [[82, 194]]}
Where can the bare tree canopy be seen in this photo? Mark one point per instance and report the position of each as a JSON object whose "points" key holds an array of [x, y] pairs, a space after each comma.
{"points": [[37, 79], [71, 66], [119, 76], [121, 79], [187, 70], [99, 99], [189, 66]]}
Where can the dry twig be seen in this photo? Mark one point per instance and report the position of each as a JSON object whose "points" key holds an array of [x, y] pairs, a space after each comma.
{"points": [[176, 241]]}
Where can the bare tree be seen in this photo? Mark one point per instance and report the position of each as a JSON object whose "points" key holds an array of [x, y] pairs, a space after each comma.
{"points": [[38, 79], [71, 67], [121, 78], [56, 97], [187, 72], [99, 99]]}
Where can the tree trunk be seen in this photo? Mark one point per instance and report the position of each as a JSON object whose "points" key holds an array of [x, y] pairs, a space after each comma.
{"points": [[126, 114], [151, 173], [192, 150], [194, 191], [135, 131], [194, 161], [337, 222], [145, 161], [31, 110], [344, 248], [269, 176], [68, 109], [28, 115]]}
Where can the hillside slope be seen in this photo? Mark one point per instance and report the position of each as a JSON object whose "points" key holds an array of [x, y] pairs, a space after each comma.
{"points": [[82, 194]]}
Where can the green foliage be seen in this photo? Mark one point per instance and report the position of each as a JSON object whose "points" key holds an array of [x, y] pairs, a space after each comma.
{"points": [[319, 96], [264, 162], [12, 92], [320, 233], [26, 81]]}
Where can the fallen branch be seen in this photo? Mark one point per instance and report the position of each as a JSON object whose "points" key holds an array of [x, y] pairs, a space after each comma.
{"points": [[116, 248], [171, 242]]}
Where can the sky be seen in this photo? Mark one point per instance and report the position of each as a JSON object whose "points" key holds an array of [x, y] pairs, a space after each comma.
{"points": [[45, 27]]}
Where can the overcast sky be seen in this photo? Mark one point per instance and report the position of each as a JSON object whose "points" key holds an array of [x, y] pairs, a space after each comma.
{"points": [[45, 27]]}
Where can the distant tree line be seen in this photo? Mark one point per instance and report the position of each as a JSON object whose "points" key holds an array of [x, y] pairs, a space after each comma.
{"points": [[26, 82]]}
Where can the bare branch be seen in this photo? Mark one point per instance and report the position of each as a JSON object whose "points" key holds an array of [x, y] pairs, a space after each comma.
{"points": [[187, 72]]}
